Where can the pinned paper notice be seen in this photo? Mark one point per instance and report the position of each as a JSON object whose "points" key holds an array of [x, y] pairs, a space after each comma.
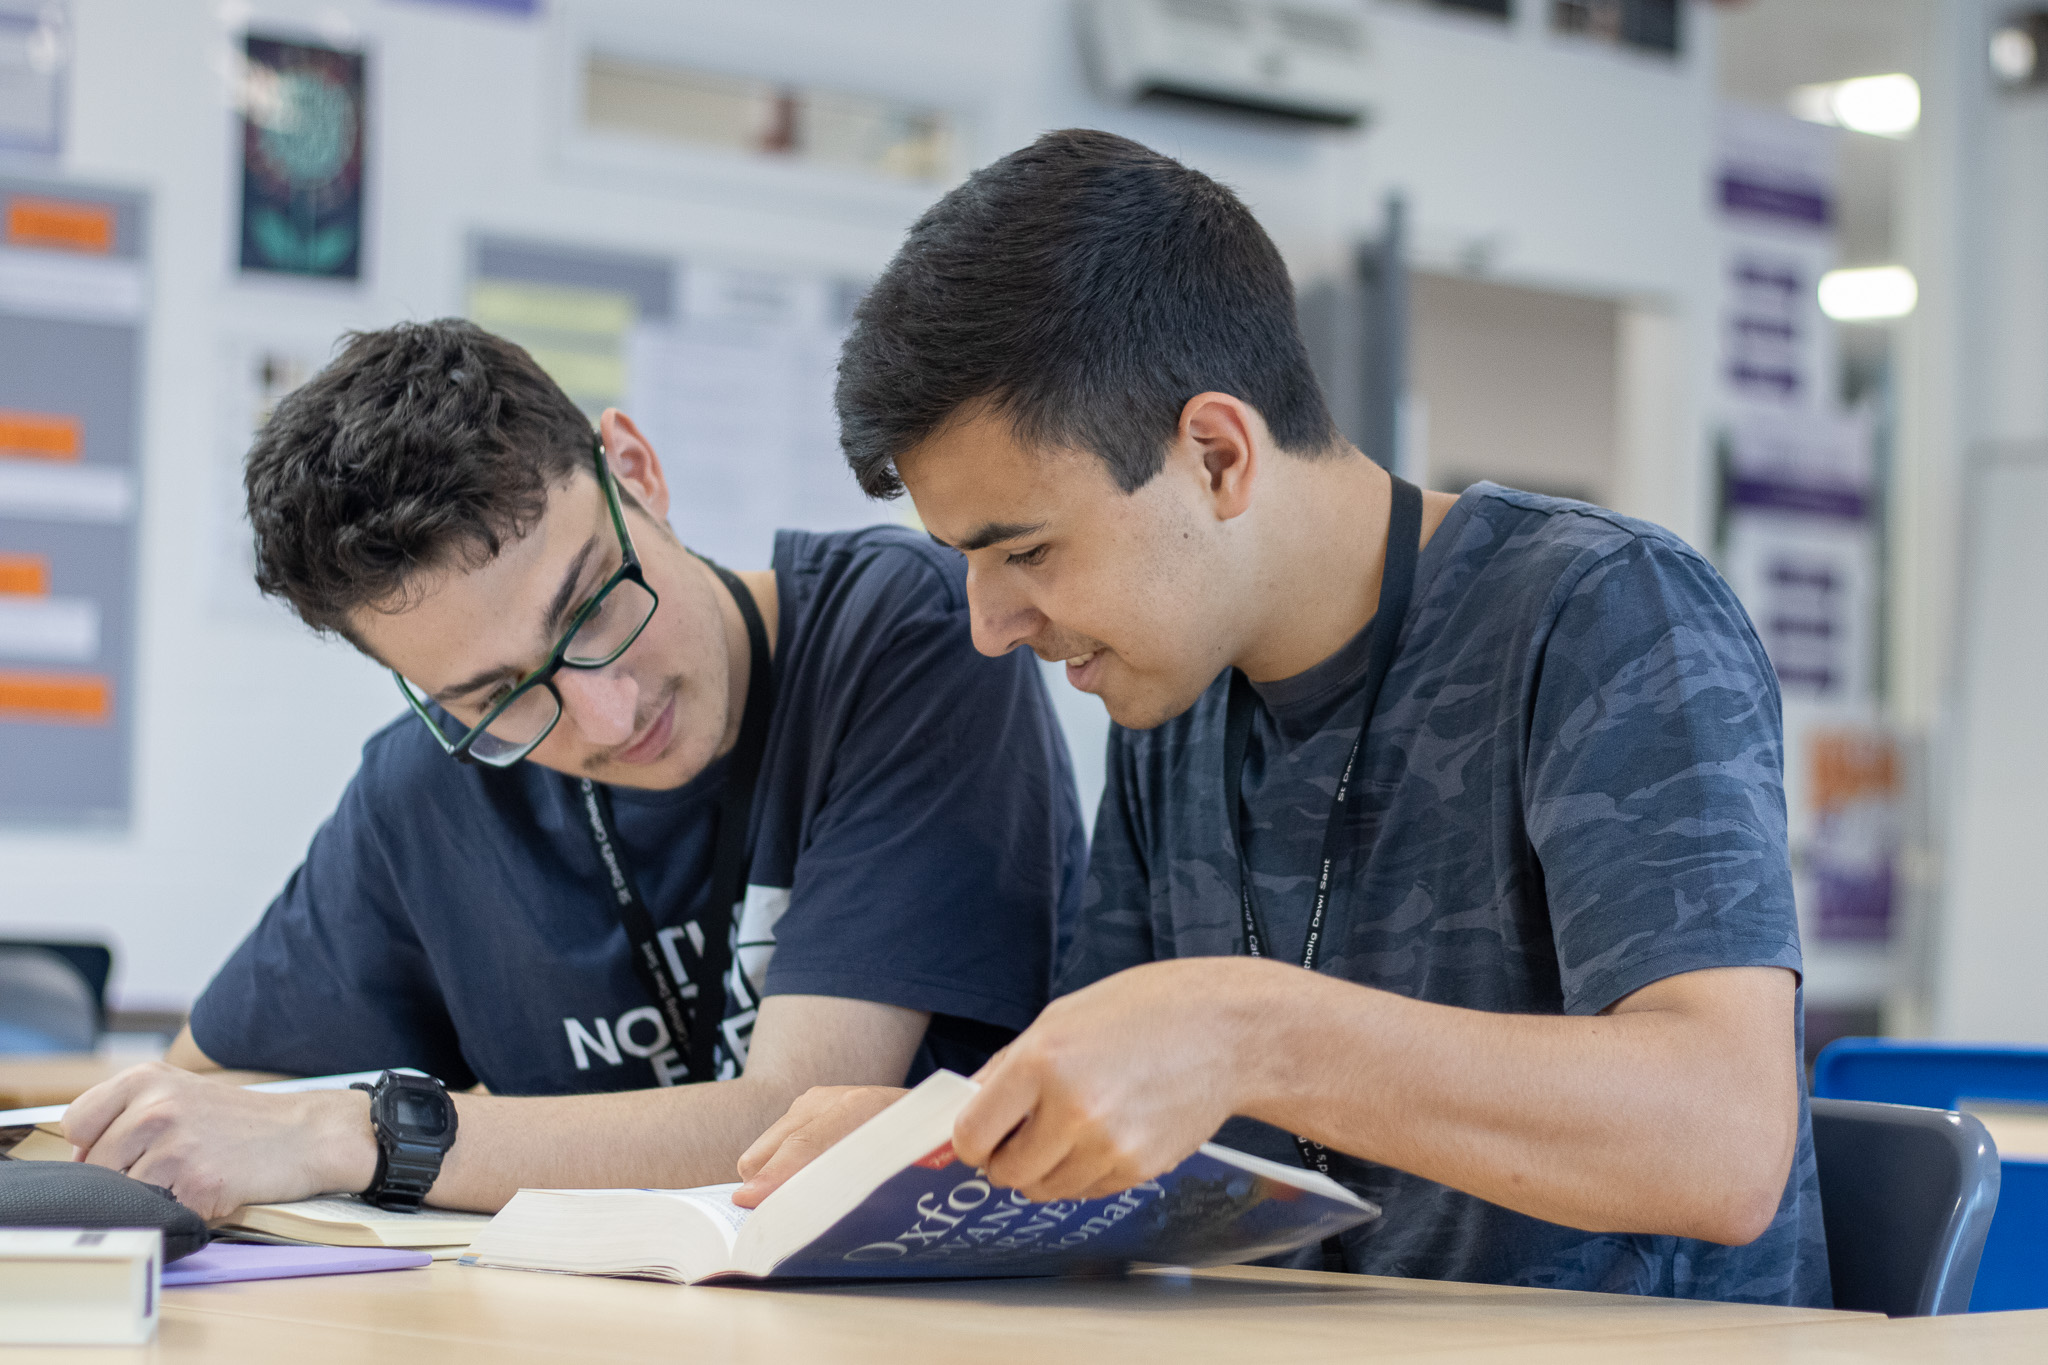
{"points": [[74, 290], [24, 575], [65, 493], [61, 698], [65, 224], [61, 284], [39, 435], [576, 335], [49, 630]]}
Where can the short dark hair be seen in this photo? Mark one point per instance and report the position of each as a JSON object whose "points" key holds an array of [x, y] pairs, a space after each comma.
{"points": [[1085, 288], [419, 445]]}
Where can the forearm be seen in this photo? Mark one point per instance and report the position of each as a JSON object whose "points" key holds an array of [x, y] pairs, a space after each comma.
{"points": [[184, 1054], [629, 1138], [216, 1146], [667, 1138], [1633, 1121], [671, 1139]]}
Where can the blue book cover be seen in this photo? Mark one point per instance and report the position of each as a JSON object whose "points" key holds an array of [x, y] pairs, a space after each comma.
{"points": [[891, 1201], [941, 1217]]}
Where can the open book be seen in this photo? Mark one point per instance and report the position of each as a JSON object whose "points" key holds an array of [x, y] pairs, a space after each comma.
{"points": [[890, 1200], [341, 1220], [38, 1142]]}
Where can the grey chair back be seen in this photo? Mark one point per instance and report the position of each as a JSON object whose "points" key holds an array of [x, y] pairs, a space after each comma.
{"points": [[92, 960], [1907, 1195], [45, 1004]]}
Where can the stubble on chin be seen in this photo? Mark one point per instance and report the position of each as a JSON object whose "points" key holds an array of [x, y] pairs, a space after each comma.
{"points": [[1148, 708], [606, 767]]}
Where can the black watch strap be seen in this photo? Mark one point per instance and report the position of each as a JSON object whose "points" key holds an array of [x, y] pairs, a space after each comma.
{"points": [[408, 1155]]}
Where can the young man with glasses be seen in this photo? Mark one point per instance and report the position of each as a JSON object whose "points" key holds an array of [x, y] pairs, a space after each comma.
{"points": [[650, 822], [1443, 841]]}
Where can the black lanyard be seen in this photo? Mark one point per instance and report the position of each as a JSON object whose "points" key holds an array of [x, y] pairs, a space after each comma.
{"points": [[1397, 581], [694, 1007]]}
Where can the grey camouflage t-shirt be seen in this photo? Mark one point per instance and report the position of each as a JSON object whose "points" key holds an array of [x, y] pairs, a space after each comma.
{"points": [[1573, 788]]}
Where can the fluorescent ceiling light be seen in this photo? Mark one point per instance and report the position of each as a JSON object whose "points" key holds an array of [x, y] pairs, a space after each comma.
{"points": [[2019, 47], [1888, 106], [1868, 294], [2014, 55]]}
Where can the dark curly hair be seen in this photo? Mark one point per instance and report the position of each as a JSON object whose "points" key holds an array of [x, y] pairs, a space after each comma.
{"points": [[1085, 287], [420, 445]]}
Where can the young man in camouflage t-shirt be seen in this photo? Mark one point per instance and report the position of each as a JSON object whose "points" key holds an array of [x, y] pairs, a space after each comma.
{"points": [[1551, 1022]]}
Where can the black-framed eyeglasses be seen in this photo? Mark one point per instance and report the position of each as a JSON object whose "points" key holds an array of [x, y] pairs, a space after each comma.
{"points": [[602, 629]]}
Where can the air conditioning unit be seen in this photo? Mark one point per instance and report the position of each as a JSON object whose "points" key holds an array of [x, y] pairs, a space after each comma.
{"points": [[1294, 60]]}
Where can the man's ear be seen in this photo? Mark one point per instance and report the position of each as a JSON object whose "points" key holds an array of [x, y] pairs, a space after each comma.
{"points": [[1226, 435], [634, 463]]}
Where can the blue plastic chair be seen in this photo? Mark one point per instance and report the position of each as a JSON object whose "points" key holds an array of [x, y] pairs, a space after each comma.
{"points": [[2014, 1269]]}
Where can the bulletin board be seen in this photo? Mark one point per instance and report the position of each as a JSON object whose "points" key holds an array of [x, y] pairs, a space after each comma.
{"points": [[728, 371], [72, 299]]}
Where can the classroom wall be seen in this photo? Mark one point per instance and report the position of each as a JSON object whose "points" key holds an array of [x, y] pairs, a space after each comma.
{"points": [[1992, 933], [1538, 160], [1514, 385]]}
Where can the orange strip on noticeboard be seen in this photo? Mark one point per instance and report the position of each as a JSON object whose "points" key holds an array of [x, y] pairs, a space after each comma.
{"points": [[24, 576], [66, 224], [40, 436], [66, 698]]}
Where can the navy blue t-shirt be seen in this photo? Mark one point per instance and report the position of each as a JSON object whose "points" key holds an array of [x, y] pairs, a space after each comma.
{"points": [[916, 838], [1573, 788]]}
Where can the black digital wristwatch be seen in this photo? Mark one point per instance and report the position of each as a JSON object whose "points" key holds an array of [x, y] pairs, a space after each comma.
{"points": [[415, 1124]]}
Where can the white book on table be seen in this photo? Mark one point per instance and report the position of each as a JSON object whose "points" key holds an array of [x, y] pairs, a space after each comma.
{"points": [[67, 1287]]}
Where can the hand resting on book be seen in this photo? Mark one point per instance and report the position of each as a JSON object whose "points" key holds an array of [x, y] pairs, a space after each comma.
{"points": [[820, 1117], [217, 1147], [1112, 1086]]}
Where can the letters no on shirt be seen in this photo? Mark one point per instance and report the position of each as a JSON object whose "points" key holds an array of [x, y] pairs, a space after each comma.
{"points": [[643, 1033]]}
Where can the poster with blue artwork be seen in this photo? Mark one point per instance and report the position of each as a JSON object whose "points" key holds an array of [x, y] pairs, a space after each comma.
{"points": [[302, 159]]}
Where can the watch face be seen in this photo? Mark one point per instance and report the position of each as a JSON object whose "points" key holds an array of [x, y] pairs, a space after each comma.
{"points": [[420, 1113]]}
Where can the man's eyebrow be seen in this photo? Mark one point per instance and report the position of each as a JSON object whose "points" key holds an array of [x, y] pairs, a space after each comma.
{"points": [[565, 595], [468, 685], [995, 533], [550, 624]]}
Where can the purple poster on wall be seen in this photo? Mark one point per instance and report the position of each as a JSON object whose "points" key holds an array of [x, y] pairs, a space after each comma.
{"points": [[302, 159]]}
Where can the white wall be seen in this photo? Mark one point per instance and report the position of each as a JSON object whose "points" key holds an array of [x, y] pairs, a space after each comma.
{"points": [[1564, 165], [1984, 473], [1515, 385], [1995, 933]]}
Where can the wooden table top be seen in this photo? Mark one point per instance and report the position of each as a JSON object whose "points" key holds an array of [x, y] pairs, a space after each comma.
{"points": [[1962, 1339], [2020, 1131], [454, 1314], [31, 1082], [26, 1082]]}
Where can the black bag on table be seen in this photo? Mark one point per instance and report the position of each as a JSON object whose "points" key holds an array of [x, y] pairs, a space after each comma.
{"points": [[74, 1194]]}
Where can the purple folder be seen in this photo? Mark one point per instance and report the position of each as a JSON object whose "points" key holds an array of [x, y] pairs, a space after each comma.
{"points": [[224, 1261]]}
